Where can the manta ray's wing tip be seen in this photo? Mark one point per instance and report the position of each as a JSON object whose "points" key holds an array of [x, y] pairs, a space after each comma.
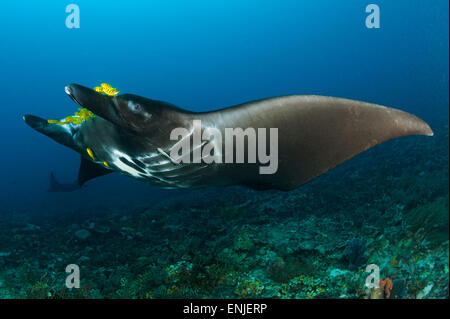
{"points": [[405, 123], [428, 130], [423, 128]]}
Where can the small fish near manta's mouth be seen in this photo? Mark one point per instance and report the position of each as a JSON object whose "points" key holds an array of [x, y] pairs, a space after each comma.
{"points": [[79, 117], [93, 100]]}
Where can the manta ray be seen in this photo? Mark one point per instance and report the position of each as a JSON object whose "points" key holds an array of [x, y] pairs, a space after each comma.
{"points": [[131, 135]]}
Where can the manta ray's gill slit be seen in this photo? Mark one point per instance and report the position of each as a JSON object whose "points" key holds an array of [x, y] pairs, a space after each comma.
{"points": [[139, 163], [131, 164], [155, 160], [160, 179], [184, 174], [147, 176], [126, 164], [160, 163], [179, 168], [123, 166], [162, 173], [161, 170], [154, 163], [181, 175], [150, 157], [166, 169], [167, 155]]}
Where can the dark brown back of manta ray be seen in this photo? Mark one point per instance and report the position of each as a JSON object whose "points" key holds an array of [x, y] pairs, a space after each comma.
{"points": [[316, 133]]}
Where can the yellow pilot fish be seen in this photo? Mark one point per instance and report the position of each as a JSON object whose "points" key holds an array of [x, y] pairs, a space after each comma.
{"points": [[78, 118], [106, 89]]}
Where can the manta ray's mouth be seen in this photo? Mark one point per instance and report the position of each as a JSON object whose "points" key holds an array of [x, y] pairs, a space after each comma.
{"points": [[98, 103], [79, 117]]}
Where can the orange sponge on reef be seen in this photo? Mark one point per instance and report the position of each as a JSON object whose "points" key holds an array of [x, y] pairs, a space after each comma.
{"points": [[387, 286]]}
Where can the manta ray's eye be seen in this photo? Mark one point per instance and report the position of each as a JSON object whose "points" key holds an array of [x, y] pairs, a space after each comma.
{"points": [[134, 107]]}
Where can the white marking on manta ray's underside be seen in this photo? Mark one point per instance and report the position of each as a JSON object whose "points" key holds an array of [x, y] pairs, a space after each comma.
{"points": [[167, 155], [162, 169], [164, 166], [121, 165], [166, 174]]}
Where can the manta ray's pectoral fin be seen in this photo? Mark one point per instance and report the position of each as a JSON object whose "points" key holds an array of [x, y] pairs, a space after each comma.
{"points": [[90, 170]]}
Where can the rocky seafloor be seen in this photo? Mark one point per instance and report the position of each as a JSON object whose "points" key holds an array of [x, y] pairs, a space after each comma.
{"points": [[388, 207]]}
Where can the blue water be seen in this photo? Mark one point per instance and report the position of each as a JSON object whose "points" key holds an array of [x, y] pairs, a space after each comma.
{"points": [[202, 55]]}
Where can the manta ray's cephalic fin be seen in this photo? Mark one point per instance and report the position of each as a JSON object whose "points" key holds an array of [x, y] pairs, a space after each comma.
{"points": [[61, 134]]}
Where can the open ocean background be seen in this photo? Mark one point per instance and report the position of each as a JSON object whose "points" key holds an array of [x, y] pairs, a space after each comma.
{"points": [[205, 55]]}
